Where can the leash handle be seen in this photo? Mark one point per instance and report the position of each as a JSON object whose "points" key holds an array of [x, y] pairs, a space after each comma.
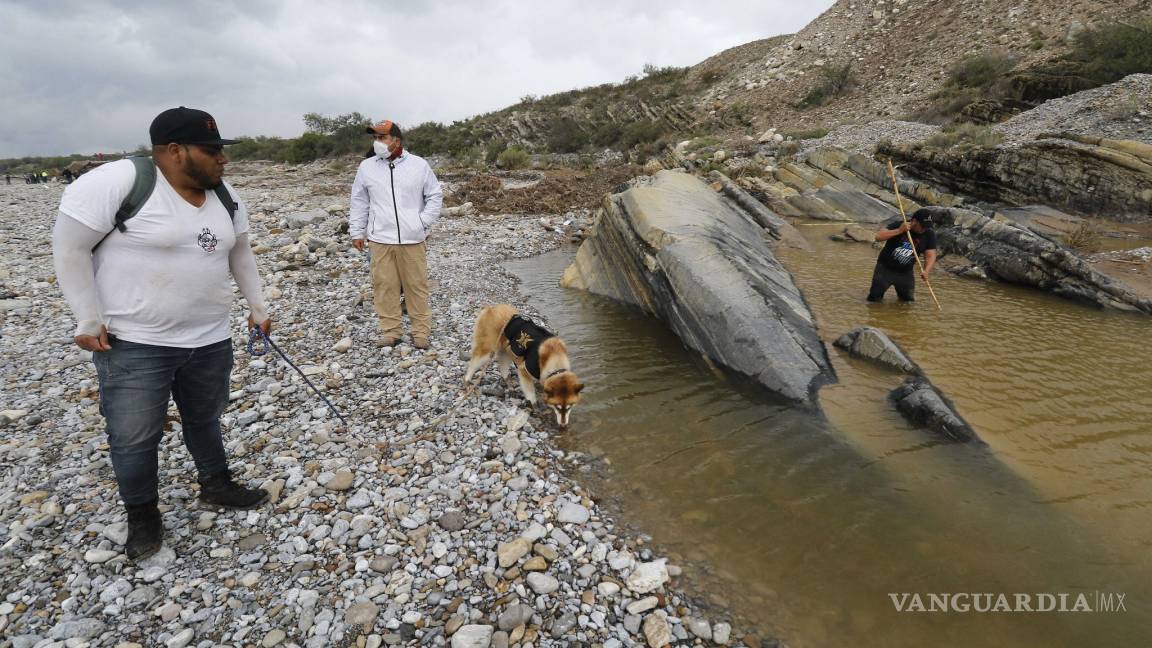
{"points": [[257, 333]]}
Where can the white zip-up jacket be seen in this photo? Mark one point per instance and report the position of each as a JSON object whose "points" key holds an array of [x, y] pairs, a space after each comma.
{"points": [[394, 202]]}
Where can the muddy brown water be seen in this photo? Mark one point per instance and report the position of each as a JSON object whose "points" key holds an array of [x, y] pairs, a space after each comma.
{"points": [[804, 526]]}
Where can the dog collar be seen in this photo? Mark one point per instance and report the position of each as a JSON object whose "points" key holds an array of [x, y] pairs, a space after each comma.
{"points": [[554, 372]]}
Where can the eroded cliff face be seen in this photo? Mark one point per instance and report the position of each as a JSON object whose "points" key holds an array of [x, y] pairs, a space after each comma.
{"points": [[692, 256], [1084, 175]]}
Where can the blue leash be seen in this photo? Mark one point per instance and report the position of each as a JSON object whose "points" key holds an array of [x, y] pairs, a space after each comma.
{"points": [[258, 333]]}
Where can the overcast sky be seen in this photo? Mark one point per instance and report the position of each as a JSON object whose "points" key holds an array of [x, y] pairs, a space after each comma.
{"points": [[89, 75]]}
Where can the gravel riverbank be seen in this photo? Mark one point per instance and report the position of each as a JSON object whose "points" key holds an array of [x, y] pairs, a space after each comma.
{"points": [[394, 531]]}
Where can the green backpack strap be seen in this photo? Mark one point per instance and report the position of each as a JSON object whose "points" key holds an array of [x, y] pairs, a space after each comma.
{"points": [[142, 188]]}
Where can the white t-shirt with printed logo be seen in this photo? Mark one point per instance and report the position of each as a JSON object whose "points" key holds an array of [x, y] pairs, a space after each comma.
{"points": [[166, 280]]}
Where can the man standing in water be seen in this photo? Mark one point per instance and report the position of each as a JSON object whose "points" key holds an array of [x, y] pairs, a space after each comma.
{"points": [[896, 261], [396, 200], [151, 288]]}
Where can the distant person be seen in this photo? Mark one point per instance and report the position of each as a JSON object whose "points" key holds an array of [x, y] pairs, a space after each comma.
{"points": [[44, 177], [153, 303], [7, 178], [895, 264], [396, 200]]}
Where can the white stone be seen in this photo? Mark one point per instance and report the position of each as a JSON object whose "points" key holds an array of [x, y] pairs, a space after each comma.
{"points": [[643, 605], [343, 346], [573, 513], [542, 583], [473, 636], [117, 532], [722, 633], [181, 639], [99, 555], [700, 628], [648, 577]]}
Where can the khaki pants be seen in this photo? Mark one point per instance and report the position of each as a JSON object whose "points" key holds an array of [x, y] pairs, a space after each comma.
{"points": [[395, 267]]}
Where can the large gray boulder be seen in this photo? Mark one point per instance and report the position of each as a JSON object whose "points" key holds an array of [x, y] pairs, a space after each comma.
{"points": [[678, 250]]}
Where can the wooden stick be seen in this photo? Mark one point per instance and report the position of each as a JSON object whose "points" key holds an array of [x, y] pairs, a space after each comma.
{"points": [[900, 204]]}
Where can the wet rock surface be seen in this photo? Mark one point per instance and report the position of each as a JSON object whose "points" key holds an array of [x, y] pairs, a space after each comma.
{"points": [[673, 247], [388, 532], [923, 404], [873, 344]]}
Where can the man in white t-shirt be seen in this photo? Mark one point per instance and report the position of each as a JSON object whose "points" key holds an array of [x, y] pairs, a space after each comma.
{"points": [[152, 296]]}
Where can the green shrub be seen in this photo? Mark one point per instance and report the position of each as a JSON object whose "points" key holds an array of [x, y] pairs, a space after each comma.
{"points": [[1112, 51], [640, 132], [513, 158], [565, 136], [697, 143], [980, 71], [494, 149], [835, 80]]}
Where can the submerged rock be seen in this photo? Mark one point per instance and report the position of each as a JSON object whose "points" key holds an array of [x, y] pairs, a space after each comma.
{"points": [[673, 247], [917, 399], [873, 344], [920, 402]]}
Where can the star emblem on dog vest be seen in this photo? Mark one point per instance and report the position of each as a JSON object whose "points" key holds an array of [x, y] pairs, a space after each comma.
{"points": [[524, 340]]}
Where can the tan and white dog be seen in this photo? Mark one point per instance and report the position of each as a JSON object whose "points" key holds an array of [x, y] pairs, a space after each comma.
{"points": [[539, 356]]}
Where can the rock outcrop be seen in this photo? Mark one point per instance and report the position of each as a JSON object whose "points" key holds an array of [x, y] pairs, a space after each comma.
{"points": [[675, 248], [1015, 245], [1009, 252], [1090, 176]]}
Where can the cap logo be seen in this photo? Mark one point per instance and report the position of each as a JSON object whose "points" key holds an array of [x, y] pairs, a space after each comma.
{"points": [[210, 124]]}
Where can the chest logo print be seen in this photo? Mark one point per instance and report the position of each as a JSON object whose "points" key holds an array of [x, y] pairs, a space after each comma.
{"points": [[207, 240], [524, 340]]}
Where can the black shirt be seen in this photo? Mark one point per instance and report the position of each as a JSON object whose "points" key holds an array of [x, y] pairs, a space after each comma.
{"points": [[524, 338], [897, 253]]}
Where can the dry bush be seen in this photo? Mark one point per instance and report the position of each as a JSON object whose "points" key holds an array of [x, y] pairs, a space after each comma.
{"points": [[1085, 239]]}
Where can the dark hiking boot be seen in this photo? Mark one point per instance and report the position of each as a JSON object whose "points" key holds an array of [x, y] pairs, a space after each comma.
{"points": [[145, 531], [220, 490]]}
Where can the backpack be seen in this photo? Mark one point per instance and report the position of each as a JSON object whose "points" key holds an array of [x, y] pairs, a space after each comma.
{"points": [[142, 189]]}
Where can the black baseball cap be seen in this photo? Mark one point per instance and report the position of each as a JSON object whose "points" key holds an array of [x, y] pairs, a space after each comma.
{"points": [[186, 126], [924, 216]]}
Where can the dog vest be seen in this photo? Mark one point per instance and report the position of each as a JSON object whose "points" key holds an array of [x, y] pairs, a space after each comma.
{"points": [[524, 338]]}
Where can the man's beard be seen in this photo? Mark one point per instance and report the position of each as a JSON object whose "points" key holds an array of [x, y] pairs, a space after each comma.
{"points": [[202, 179]]}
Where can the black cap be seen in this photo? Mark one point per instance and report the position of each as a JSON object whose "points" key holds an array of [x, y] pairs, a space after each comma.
{"points": [[924, 216], [185, 126]]}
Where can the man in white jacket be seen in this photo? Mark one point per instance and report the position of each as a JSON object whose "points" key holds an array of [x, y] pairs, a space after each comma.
{"points": [[151, 288], [396, 200]]}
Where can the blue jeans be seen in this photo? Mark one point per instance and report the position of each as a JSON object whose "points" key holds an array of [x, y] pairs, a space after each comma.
{"points": [[136, 381]]}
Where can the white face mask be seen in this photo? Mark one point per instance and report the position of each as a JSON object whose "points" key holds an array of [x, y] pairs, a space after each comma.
{"points": [[381, 149]]}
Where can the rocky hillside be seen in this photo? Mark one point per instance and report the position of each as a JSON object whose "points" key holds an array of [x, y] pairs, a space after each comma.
{"points": [[900, 52]]}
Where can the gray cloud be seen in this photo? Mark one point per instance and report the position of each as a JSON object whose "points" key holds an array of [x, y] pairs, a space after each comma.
{"points": [[89, 76]]}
